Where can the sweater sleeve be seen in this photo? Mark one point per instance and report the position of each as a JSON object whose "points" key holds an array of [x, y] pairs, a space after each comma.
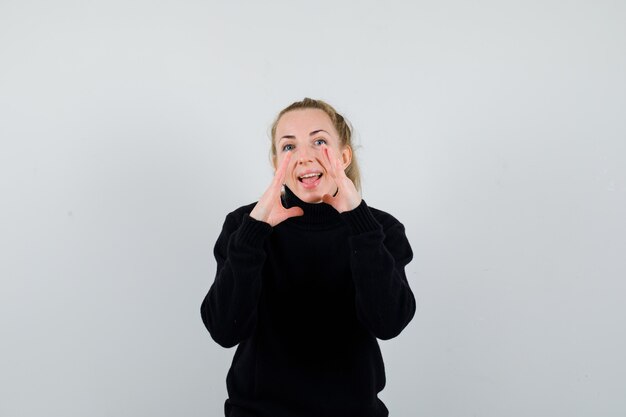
{"points": [[229, 310], [384, 301]]}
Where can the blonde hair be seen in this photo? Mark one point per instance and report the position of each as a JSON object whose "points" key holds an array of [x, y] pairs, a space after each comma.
{"points": [[342, 126]]}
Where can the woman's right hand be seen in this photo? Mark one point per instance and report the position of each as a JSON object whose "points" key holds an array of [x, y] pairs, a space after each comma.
{"points": [[269, 208]]}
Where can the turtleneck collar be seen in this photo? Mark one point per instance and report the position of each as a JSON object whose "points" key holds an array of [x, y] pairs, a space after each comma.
{"points": [[316, 215]]}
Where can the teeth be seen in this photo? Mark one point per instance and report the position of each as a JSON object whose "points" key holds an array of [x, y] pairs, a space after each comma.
{"points": [[310, 175]]}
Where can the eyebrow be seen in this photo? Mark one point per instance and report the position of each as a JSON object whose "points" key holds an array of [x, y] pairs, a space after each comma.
{"points": [[315, 132]]}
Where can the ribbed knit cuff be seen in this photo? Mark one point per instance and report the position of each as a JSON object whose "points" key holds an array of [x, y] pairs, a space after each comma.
{"points": [[360, 220], [253, 232]]}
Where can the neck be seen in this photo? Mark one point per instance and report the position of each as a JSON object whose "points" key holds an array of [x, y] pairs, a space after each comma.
{"points": [[315, 214]]}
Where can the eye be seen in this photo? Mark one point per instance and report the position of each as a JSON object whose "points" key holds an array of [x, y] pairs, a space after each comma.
{"points": [[288, 147], [320, 142]]}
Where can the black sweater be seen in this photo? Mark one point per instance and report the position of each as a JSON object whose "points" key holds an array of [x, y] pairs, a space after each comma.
{"points": [[305, 301]]}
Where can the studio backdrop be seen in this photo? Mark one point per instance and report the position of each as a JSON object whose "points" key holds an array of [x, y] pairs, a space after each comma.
{"points": [[494, 131]]}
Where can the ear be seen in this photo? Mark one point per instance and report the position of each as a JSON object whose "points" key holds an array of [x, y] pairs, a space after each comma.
{"points": [[346, 156]]}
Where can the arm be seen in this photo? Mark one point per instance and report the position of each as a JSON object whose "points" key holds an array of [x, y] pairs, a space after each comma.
{"points": [[378, 255], [384, 302], [229, 310]]}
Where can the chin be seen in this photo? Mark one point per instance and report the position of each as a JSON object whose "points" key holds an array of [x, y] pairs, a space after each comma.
{"points": [[313, 199], [308, 196]]}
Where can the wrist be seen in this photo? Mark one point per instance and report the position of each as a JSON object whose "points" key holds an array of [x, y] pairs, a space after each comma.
{"points": [[258, 213]]}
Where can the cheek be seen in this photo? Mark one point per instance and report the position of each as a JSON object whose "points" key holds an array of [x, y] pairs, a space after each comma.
{"points": [[278, 162], [318, 152], [333, 152], [278, 159]]}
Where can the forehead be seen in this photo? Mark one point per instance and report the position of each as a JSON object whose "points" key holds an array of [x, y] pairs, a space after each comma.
{"points": [[303, 121]]}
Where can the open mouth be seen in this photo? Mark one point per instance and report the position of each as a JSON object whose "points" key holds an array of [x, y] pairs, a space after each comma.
{"points": [[310, 179]]}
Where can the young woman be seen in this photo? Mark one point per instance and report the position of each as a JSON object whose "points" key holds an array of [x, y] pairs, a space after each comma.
{"points": [[307, 279]]}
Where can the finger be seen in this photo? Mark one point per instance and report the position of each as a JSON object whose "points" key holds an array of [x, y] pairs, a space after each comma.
{"points": [[339, 167], [330, 166], [336, 163], [294, 212], [328, 199], [282, 169]]}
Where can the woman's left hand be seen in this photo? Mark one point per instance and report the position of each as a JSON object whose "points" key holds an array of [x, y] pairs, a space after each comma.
{"points": [[347, 197]]}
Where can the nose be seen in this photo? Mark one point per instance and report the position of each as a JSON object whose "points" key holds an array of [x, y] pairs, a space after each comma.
{"points": [[303, 155]]}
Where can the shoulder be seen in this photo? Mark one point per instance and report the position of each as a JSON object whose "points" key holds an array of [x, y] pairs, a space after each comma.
{"points": [[394, 235], [236, 217], [240, 211], [385, 219], [248, 230]]}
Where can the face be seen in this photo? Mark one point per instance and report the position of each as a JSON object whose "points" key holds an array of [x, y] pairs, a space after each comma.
{"points": [[304, 133]]}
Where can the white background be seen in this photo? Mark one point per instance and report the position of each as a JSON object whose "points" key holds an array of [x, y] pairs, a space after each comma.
{"points": [[494, 130]]}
